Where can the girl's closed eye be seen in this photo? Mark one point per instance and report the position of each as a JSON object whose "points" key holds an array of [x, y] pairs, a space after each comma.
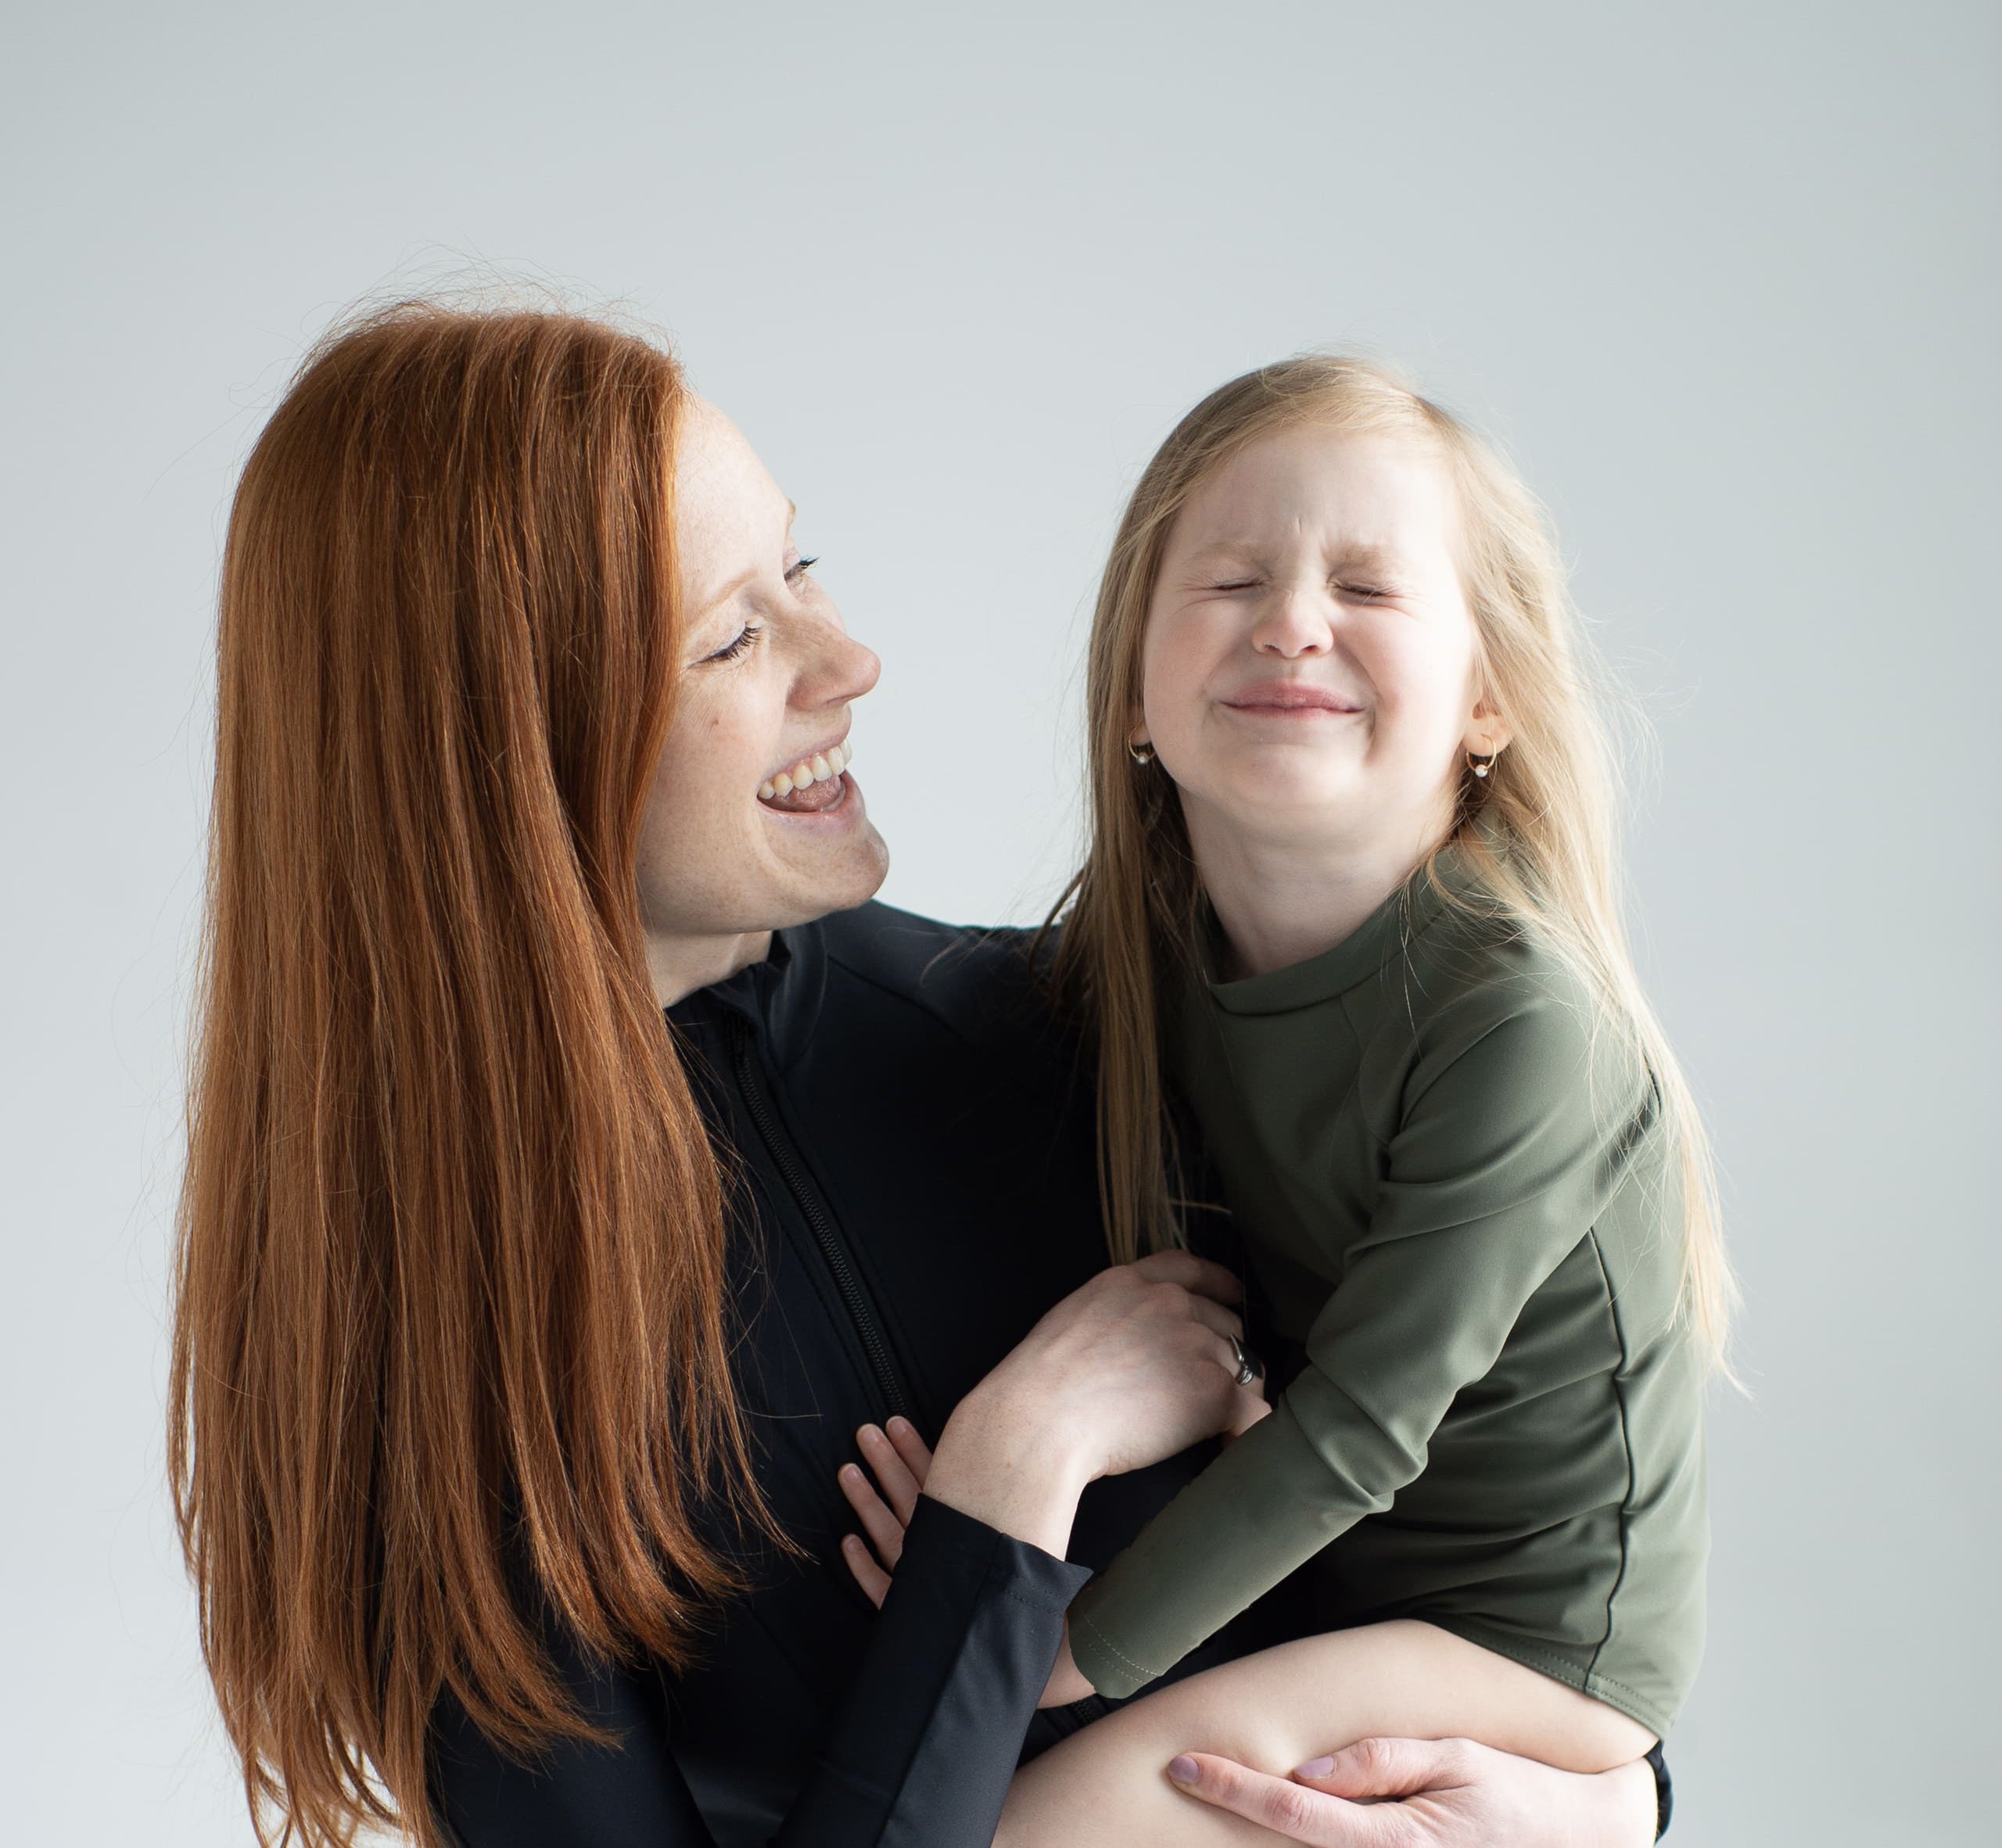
{"points": [[795, 572]]}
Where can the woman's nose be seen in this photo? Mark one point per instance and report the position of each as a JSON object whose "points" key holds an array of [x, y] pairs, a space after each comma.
{"points": [[842, 670], [864, 668]]}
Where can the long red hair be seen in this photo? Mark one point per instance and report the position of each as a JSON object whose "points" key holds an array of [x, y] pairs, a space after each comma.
{"points": [[450, 1298]]}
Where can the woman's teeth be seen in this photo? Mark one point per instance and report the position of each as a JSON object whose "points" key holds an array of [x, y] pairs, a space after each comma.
{"points": [[806, 773]]}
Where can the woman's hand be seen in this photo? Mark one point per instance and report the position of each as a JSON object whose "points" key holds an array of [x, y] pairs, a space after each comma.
{"points": [[1139, 1364], [1430, 1793], [1136, 1364], [900, 1462]]}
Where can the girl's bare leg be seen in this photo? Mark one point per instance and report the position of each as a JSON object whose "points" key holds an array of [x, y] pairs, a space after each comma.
{"points": [[1107, 1786]]}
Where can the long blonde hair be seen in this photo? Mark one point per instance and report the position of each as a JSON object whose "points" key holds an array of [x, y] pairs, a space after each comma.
{"points": [[1550, 804]]}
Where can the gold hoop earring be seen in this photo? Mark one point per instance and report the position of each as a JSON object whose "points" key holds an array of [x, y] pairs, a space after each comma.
{"points": [[1140, 751], [1480, 764]]}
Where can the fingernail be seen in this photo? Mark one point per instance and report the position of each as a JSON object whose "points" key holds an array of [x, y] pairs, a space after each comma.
{"points": [[867, 1432], [1314, 1767], [1185, 1770], [850, 1473], [899, 1424]]}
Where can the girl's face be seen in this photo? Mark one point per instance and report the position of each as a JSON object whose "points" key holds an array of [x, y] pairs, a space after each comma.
{"points": [[1308, 668], [768, 673]]}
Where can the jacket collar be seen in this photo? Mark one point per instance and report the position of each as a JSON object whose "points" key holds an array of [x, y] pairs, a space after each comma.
{"points": [[781, 997]]}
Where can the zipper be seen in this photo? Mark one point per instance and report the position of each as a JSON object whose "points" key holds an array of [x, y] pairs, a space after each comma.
{"points": [[855, 1297], [1093, 1706]]}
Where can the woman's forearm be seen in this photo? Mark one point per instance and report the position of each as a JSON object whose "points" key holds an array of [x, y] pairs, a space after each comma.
{"points": [[933, 1724]]}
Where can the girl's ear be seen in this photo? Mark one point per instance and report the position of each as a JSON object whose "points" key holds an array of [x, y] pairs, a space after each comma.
{"points": [[1487, 732]]}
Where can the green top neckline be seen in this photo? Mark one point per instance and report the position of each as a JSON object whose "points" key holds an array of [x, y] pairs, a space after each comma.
{"points": [[1406, 914]]}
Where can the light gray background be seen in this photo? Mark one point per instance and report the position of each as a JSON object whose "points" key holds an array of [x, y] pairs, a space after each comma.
{"points": [[1724, 275]]}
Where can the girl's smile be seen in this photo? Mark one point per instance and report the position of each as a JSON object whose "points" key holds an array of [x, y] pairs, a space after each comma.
{"points": [[1290, 699]]}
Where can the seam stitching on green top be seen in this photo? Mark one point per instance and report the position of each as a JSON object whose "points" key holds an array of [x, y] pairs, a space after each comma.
{"points": [[1087, 1625], [1626, 1453], [1620, 1687]]}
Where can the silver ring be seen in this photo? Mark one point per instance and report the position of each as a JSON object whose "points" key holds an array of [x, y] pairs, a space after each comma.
{"points": [[1248, 1369]]}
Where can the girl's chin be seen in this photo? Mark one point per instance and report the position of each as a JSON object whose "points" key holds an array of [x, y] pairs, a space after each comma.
{"points": [[1292, 798]]}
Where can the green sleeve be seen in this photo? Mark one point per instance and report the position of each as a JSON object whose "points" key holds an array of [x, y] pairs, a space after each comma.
{"points": [[1499, 1168]]}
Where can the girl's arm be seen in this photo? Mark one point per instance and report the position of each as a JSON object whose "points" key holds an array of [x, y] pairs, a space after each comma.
{"points": [[1496, 1173]]}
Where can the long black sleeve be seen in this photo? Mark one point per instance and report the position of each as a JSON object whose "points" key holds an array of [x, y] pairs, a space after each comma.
{"points": [[922, 1756], [919, 1756]]}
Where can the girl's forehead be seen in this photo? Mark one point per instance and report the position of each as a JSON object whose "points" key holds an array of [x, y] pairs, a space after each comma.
{"points": [[1364, 493]]}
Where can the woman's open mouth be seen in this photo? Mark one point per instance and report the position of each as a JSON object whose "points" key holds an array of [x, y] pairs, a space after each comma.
{"points": [[812, 785]]}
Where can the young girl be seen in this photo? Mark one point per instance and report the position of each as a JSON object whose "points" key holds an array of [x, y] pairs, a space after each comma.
{"points": [[1351, 887]]}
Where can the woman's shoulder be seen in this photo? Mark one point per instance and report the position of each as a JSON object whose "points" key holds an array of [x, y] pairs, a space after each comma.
{"points": [[984, 982], [923, 957]]}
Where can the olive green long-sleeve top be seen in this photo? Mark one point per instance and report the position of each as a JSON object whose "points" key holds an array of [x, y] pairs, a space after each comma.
{"points": [[1455, 1188]]}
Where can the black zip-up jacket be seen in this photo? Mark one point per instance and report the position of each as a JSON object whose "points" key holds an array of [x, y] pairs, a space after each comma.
{"points": [[912, 1138], [913, 1142]]}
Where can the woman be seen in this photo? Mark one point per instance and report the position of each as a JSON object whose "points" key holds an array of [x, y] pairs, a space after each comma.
{"points": [[518, 1337]]}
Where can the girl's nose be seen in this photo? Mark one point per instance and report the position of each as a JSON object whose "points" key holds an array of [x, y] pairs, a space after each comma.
{"points": [[1292, 622]]}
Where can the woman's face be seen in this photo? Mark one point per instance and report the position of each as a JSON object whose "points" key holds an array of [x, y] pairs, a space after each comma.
{"points": [[767, 676], [1309, 665]]}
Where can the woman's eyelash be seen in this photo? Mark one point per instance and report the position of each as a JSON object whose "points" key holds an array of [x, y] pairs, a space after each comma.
{"points": [[750, 631], [741, 646]]}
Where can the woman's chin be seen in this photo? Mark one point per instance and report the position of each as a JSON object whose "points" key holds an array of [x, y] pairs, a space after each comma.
{"points": [[838, 873], [871, 868]]}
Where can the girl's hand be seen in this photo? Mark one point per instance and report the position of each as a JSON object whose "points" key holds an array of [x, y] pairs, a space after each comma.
{"points": [[1430, 1793], [898, 1458]]}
